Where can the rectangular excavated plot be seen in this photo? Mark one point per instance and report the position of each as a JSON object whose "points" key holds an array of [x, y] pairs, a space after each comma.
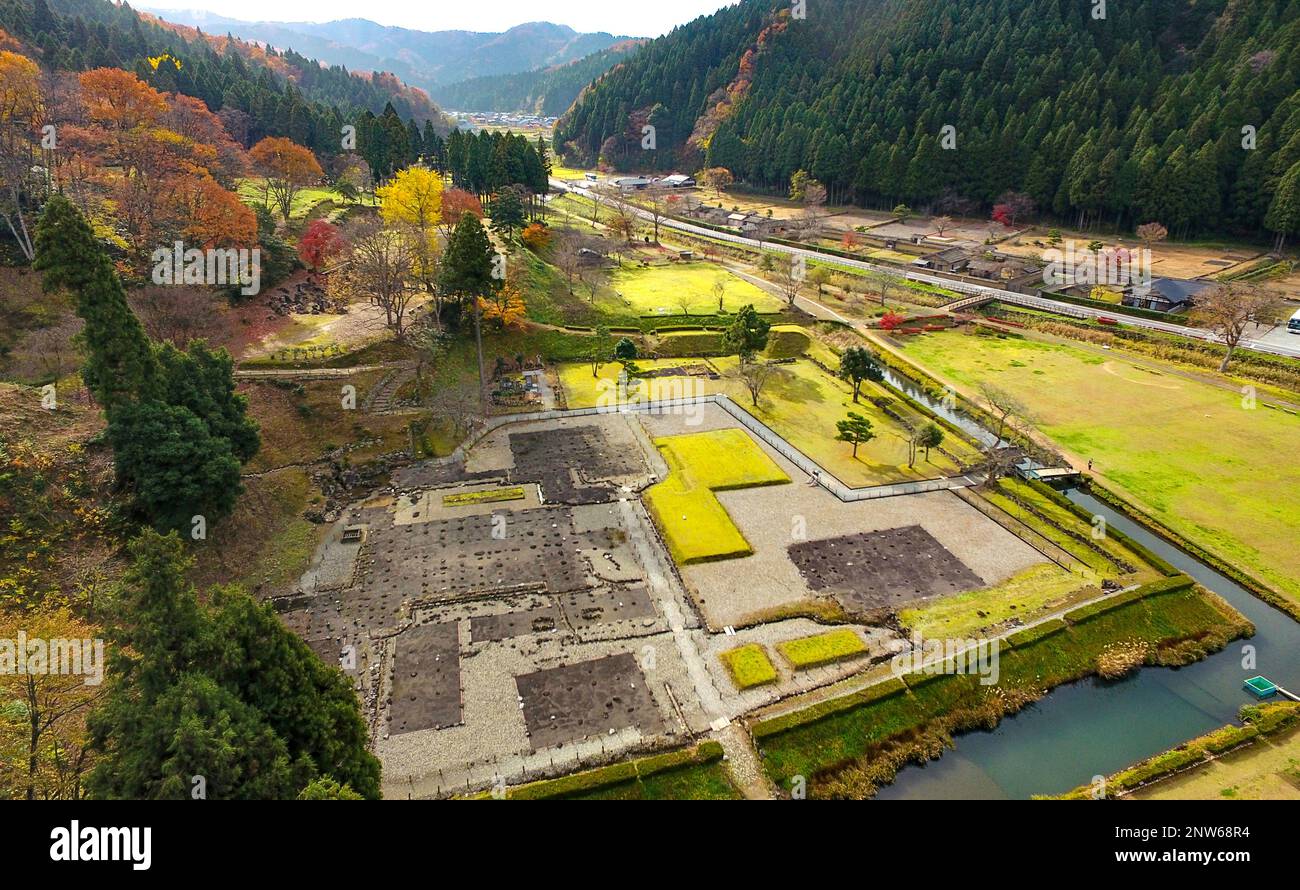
{"points": [[586, 608], [426, 679], [582, 609], [494, 628], [590, 698], [882, 570], [560, 460], [461, 557]]}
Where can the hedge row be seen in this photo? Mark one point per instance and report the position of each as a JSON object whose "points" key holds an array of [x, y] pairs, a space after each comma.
{"points": [[1164, 585], [1117, 308], [580, 783], [875, 692], [1037, 632], [1259, 721]]}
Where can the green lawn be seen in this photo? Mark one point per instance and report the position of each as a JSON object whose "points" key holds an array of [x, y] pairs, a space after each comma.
{"points": [[749, 665], [659, 290], [803, 403], [800, 402], [822, 649], [694, 523], [306, 199], [1187, 452], [1025, 595]]}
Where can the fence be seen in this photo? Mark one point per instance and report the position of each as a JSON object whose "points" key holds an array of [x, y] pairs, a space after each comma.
{"points": [[749, 422]]}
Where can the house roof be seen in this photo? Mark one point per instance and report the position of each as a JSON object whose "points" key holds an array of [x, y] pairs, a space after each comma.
{"points": [[1178, 290], [949, 254]]}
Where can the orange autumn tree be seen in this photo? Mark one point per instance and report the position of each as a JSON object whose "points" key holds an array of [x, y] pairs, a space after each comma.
{"points": [[216, 217], [505, 306], [287, 167], [455, 203], [120, 101], [155, 159]]}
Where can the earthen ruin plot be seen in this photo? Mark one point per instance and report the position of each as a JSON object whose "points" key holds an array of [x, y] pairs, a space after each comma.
{"points": [[426, 679], [562, 461], [587, 608], [508, 625], [882, 570], [589, 698], [474, 555]]}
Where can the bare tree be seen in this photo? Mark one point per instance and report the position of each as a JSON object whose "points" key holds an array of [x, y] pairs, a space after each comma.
{"points": [[790, 275], [567, 256], [884, 284], [380, 266], [814, 214], [455, 401], [1230, 308], [658, 205], [1005, 407], [623, 221], [176, 315], [597, 197], [719, 290], [50, 353], [941, 223], [755, 376]]}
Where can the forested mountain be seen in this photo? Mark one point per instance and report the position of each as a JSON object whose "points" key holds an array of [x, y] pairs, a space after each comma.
{"points": [[547, 91], [1179, 111], [282, 94], [426, 59]]}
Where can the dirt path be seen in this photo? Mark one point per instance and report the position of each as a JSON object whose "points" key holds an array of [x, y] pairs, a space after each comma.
{"points": [[743, 763]]}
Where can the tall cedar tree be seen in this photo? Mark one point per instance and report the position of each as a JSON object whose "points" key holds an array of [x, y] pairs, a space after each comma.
{"points": [[223, 691], [178, 429], [120, 364], [467, 261]]}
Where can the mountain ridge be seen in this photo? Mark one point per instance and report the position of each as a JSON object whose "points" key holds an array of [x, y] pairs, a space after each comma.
{"points": [[426, 59]]}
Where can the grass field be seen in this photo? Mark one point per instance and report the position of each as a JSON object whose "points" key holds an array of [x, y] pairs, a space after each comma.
{"points": [[660, 290], [802, 403], [306, 199], [1267, 770], [694, 523], [822, 649], [583, 390], [1025, 595], [749, 665], [1186, 451]]}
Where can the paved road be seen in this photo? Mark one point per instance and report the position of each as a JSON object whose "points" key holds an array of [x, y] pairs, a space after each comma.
{"points": [[1271, 344]]}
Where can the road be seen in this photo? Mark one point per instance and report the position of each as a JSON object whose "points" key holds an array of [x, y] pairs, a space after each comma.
{"points": [[1274, 343]]}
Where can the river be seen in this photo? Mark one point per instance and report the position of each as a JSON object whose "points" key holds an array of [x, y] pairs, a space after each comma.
{"points": [[1095, 727]]}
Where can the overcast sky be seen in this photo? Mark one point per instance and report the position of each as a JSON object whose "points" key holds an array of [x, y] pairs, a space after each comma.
{"points": [[635, 19]]}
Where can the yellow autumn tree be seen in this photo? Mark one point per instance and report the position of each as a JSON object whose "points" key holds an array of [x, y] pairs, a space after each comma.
{"points": [[413, 200], [20, 105], [44, 743]]}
